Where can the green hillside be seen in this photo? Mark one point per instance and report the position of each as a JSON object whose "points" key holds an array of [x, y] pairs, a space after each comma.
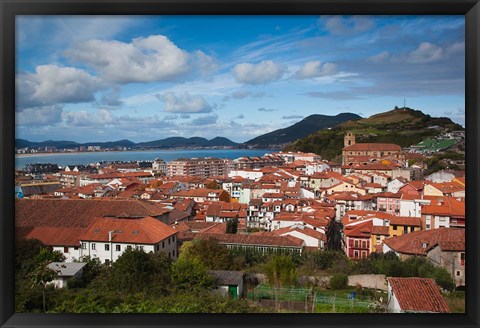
{"points": [[404, 127]]}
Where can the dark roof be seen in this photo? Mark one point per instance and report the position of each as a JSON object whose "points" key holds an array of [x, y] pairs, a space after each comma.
{"points": [[224, 278]]}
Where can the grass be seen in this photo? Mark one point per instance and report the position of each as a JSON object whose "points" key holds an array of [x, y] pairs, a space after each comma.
{"points": [[455, 301]]}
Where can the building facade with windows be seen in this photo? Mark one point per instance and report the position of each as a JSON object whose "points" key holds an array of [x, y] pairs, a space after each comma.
{"points": [[107, 238]]}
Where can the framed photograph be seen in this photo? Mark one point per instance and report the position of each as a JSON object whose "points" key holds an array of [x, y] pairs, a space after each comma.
{"points": [[199, 163]]}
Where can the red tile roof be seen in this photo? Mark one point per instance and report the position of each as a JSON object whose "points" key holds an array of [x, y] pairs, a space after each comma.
{"points": [[78, 213], [418, 295], [448, 206], [51, 236], [137, 231], [373, 147], [412, 243]]}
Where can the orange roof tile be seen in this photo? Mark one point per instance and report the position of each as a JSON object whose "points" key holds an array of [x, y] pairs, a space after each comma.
{"points": [[138, 231], [418, 295]]}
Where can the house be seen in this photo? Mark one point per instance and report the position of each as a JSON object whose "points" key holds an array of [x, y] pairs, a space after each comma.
{"points": [[357, 239], [228, 283], [443, 212], [314, 239], [366, 152], [443, 247], [107, 238], [66, 271], [415, 295], [451, 256], [203, 195], [44, 219]]}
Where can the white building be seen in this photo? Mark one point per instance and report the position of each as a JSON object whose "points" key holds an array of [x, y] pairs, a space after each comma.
{"points": [[108, 238]]}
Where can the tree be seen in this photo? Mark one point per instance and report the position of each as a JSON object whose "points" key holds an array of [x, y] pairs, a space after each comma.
{"points": [[137, 271], [232, 225], [208, 252], [281, 271], [42, 274], [334, 236], [190, 275]]}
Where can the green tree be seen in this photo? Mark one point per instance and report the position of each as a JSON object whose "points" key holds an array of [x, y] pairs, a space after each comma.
{"points": [[281, 271], [334, 236], [137, 271], [42, 275], [191, 275], [232, 225], [209, 252]]}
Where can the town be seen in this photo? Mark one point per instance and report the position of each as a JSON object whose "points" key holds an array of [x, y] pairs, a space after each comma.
{"points": [[288, 231]]}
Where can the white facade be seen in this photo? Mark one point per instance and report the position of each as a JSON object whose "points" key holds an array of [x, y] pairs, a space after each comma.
{"points": [[394, 186], [412, 207], [111, 251], [246, 174], [70, 253]]}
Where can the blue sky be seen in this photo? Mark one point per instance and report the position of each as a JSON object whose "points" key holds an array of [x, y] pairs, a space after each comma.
{"points": [[142, 78]]}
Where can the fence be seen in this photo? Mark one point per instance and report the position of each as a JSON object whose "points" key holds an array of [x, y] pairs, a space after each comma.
{"points": [[310, 300]]}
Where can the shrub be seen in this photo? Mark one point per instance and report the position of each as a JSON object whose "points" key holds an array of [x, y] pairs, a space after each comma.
{"points": [[339, 281]]}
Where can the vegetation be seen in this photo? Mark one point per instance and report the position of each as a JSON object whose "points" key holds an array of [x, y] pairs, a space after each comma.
{"points": [[140, 282], [404, 127]]}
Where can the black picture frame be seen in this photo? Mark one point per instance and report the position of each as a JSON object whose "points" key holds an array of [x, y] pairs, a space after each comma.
{"points": [[11, 8]]}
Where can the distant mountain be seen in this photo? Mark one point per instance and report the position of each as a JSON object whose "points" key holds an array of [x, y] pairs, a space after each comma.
{"points": [[404, 127], [172, 142], [308, 125], [188, 142]]}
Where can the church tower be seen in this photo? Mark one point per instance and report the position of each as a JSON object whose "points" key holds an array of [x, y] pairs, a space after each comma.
{"points": [[349, 139]]}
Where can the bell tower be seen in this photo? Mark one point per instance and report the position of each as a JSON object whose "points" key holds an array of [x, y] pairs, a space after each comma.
{"points": [[349, 139]]}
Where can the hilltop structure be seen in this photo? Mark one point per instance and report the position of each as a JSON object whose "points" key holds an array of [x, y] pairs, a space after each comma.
{"points": [[365, 153]]}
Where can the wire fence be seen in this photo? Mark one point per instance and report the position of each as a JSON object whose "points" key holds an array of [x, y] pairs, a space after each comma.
{"points": [[313, 300]]}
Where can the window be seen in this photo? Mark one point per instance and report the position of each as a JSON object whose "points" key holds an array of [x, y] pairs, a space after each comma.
{"points": [[107, 262], [157, 247], [356, 243], [173, 239], [129, 247], [412, 229], [394, 227], [163, 244], [75, 248], [169, 240], [355, 254], [84, 245], [65, 249], [173, 252], [141, 248], [107, 247], [462, 256], [93, 246], [118, 248]]}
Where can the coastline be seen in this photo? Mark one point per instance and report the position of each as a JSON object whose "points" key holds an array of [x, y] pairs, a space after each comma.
{"points": [[118, 151]]}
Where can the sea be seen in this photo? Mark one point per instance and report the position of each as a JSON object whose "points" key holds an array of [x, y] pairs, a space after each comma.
{"points": [[85, 158]]}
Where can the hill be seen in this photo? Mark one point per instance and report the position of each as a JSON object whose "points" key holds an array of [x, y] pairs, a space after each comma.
{"points": [[188, 142], [172, 142], [404, 127], [308, 125]]}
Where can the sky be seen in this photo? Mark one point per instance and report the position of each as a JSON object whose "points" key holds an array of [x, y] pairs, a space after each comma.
{"points": [[144, 78]]}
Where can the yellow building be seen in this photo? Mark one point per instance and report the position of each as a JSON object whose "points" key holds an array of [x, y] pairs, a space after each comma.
{"points": [[400, 225]]}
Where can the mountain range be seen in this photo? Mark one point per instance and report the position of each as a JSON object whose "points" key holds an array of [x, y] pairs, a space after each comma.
{"points": [[321, 134], [272, 139]]}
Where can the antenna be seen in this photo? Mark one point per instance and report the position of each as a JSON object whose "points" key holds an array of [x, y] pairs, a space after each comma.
{"points": [[404, 103]]}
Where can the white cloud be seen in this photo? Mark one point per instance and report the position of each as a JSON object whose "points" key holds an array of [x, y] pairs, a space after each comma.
{"points": [[33, 116], [341, 25], [426, 53], [185, 103], [314, 69], [205, 120], [87, 119], [150, 59], [51, 84], [262, 73], [263, 109], [381, 57]]}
